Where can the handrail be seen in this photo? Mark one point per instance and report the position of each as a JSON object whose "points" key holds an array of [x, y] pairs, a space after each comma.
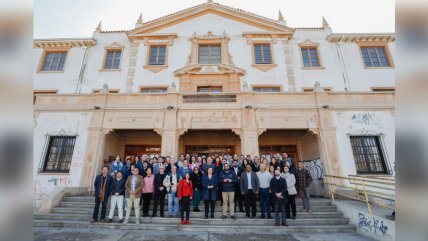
{"points": [[367, 189]]}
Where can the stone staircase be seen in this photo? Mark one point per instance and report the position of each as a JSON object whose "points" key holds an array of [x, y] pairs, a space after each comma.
{"points": [[76, 212]]}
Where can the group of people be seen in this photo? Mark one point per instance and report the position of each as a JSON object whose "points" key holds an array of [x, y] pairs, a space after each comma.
{"points": [[236, 181]]}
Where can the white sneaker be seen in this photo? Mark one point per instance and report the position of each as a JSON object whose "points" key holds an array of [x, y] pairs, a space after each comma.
{"points": [[126, 221], [137, 221]]}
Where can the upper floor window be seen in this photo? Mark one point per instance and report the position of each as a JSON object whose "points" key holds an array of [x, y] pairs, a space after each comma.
{"points": [[310, 57], [109, 91], [59, 154], [368, 155], [210, 89], [262, 54], [157, 55], [54, 61], [209, 54], [266, 89], [375, 57], [112, 60], [153, 90]]}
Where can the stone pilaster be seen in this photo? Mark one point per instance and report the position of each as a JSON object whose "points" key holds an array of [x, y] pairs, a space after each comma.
{"points": [[289, 66], [132, 66]]}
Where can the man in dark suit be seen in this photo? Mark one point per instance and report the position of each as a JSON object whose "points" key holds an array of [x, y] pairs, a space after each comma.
{"points": [[238, 196], [278, 186], [249, 189], [102, 186]]}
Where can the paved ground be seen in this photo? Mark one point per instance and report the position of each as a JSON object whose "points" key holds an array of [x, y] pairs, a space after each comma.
{"points": [[69, 234]]}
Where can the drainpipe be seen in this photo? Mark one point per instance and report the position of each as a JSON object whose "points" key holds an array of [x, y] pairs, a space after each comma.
{"points": [[343, 67], [82, 70]]}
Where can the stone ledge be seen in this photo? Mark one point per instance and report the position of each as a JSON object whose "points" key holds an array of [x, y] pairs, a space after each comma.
{"points": [[52, 199]]}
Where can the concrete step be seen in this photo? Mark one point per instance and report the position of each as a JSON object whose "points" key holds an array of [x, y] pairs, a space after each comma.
{"points": [[344, 228], [218, 211], [199, 220]]}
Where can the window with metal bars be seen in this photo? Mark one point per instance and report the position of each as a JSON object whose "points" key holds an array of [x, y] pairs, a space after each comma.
{"points": [[368, 155], [310, 57], [157, 55], [266, 89], [59, 154], [112, 60], [375, 57], [209, 54], [54, 61], [263, 54]]}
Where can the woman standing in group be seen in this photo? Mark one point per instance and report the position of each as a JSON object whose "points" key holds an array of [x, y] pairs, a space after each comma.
{"points": [[209, 184], [148, 189], [196, 178], [185, 194], [291, 192]]}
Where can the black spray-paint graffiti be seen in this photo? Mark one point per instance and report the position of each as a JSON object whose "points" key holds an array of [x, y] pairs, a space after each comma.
{"points": [[376, 226], [365, 119], [315, 168]]}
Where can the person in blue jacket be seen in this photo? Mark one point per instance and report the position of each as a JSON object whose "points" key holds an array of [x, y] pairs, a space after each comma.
{"points": [[209, 194], [115, 166], [102, 187], [228, 180]]}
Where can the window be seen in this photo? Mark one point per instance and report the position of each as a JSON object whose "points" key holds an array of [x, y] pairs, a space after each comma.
{"points": [[310, 57], [110, 91], [210, 89], [157, 55], [383, 89], [262, 53], [59, 154], [209, 54], [153, 90], [54, 61], [368, 155], [375, 57], [112, 60], [326, 89], [266, 89]]}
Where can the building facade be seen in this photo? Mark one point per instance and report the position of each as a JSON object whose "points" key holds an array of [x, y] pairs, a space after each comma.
{"points": [[212, 79]]}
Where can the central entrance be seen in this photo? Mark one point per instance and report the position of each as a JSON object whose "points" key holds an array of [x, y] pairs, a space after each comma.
{"points": [[209, 142]]}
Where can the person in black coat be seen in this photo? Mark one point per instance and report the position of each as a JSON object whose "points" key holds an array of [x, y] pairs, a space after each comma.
{"points": [[102, 187], [118, 194], [238, 196], [196, 178], [278, 186], [159, 192]]}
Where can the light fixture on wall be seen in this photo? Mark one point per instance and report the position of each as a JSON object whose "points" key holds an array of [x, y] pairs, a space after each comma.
{"points": [[326, 107], [97, 107], [248, 107], [170, 107]]}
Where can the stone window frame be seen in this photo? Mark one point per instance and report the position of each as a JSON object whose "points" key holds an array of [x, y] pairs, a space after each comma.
{"points": [[48, 50], [210, 39], [267, 86], [311, 45], [46, 153], [263, 67], [377, 44], [156, 67], [157, 87], [113, 47]]}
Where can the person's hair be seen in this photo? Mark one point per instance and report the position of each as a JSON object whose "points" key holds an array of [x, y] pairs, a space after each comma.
{"points": [[108, 168], [301, 162], [173, 166], [226, 164], [135, 166], [119, 171], [186, 173], [234, 161], [146, 162], [149, 169], [195, 168]]}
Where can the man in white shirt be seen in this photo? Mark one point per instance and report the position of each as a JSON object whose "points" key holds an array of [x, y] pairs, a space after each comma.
{"points": [[264, 180]]}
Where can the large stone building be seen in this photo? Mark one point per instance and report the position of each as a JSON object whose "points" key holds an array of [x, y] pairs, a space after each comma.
{"points": [[212, 79]]}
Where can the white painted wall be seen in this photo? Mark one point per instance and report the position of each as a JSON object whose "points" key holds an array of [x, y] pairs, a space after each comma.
{"points": [[51, 123], [332, 75], [380, 123]]}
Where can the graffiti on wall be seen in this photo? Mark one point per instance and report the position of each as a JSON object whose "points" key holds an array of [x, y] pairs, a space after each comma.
{"points": [[372, 225], [316, 169], [60, 181], [366, 118]]}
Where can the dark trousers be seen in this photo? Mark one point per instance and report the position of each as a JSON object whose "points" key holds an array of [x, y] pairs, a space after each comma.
{"points": [[291, 203], [280, 204], [159, 199], [238, 199], [272, 202], [97, 208], [147, 198], [265, 202], [250, 201], [207, 207], [185, 207]]}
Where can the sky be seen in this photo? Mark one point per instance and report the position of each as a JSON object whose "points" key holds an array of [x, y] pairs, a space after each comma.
{"points": [[79, 18]]}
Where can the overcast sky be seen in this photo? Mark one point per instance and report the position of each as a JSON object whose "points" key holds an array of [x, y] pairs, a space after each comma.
{"points": [[78, 18]]}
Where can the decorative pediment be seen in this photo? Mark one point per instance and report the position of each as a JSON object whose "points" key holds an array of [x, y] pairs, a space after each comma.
{"points": [[114, 45], [201, 69], [210, 7], [308, 42]]}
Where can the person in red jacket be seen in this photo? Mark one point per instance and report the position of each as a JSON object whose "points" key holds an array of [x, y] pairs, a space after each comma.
{"points": [[185, 194]]}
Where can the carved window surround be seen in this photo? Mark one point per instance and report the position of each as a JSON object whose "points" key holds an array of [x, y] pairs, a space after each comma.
{"points": [[210, 39], [149, 40], [112, 47], [310, 44], [51, 49], [270, 38]]}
